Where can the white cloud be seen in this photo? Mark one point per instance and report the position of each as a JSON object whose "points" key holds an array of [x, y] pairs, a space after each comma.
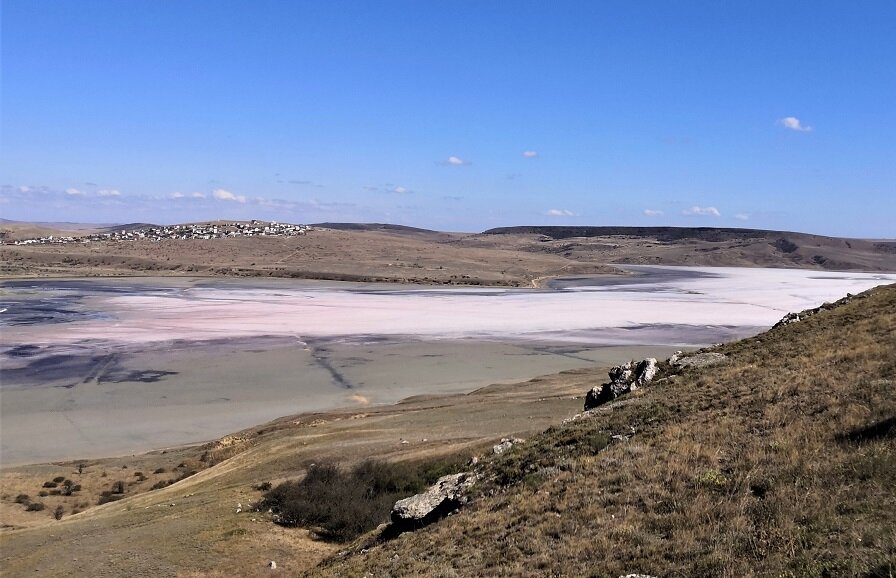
{"points": [[705, 211], [177, 195], [652, 213], [24, 189], [742, 216], [223, 195], [197, 195], [793, 123], [400, 190], [456, 161], [108, 193], [530, 154], [69, 191], [559, 213]]}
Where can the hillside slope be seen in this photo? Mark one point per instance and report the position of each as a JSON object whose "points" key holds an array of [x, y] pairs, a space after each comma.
{"points": [[780, 462], [707, 246]]}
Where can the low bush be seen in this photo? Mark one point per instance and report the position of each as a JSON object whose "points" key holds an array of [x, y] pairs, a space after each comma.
{"points": [[59, 479], [60, 510], [341, 505], [23, 499], [50, 484], [35, 507]]}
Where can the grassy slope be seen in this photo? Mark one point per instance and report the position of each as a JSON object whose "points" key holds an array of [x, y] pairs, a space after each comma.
{"points": [[767, 466]]}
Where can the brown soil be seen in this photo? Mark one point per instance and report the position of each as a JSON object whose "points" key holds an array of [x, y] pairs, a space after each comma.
{"points": [[415, 256]]}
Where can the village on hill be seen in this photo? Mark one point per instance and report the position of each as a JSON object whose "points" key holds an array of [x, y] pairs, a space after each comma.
{"points": [[219, 230]]}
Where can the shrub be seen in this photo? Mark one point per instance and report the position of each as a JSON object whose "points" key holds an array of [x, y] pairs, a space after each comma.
{"points": [[161, 484], [50, 484], [23, 499], [58, 512], [159, 471], [35, 507], [59, 479], [43, 493], [341, 505], [107, 496], [263, 486], [118, 487]]}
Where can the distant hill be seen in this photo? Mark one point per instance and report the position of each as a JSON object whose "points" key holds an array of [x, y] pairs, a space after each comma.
{"points": [[714, 246], [372, 227], [712, 234], [127, 227]]}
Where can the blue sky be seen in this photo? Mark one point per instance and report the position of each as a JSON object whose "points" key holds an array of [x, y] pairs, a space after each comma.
{"points": [[455, 116]]}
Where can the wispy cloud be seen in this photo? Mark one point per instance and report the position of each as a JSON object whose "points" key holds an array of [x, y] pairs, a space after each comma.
{"points": [[69, 191], [559, 213], [108, 193], [742, 216], [454, 161], [530, 154], [223, 195], [793, 123], [704, 211], [652, 213], [198, 195], [400, 190]]}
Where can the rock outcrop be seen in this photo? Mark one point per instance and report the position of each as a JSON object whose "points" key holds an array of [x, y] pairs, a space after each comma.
{"points": [[506, 444], [623, 379], [707, 359], [442, 498]]}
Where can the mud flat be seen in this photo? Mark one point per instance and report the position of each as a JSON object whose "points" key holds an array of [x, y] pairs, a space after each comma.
{"points": [[98, 368]]}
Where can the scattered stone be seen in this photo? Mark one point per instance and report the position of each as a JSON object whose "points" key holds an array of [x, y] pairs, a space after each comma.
{"points": [[442, 498], [707, 359], [623, 379], [272, 565], [787, 320], [637, 576], [506, 444]]}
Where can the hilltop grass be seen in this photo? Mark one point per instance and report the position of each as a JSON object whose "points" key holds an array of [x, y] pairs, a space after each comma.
{"points": [[781, 462]]}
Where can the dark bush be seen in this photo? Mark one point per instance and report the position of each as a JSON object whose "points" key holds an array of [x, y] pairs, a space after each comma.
{"points": [[184, 475], [76, 488], [118, 487], [50, 484], [43, 493], [108, 497], [59, 479], [23, 499], [161, 484], [263, 486], [67, 483], [159, 471], [35, 507], [341, 505], [58, 512]]}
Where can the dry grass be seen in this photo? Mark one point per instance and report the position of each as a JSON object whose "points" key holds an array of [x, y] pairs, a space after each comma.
{"points": [[780, 463]]}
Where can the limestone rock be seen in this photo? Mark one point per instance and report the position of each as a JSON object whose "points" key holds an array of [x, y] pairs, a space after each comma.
{"points": [[506, 444], [699, 360], [442, 498], [623, 379]]}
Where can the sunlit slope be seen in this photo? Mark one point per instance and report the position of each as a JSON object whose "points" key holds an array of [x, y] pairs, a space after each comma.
{"points": [[780, 462]]}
